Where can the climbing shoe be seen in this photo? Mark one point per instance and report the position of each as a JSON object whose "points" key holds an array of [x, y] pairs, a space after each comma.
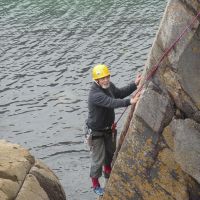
{"points": [[99, 191]]}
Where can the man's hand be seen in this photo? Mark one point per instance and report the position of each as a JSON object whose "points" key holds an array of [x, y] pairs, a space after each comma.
{"points": [[138, 79], [134, 99]]}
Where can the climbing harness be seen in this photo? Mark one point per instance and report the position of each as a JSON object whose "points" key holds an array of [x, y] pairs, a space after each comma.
{"points": [[154, 69]]}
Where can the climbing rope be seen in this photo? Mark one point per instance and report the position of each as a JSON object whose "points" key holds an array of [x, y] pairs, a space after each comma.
{"points": [[155, 67]]}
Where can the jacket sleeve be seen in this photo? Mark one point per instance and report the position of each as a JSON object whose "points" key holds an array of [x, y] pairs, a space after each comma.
{"points": [[124, 91], [101, 99]]}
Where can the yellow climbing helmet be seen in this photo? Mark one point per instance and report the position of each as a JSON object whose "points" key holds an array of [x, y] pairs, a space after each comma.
{"points": [[100, 71]]}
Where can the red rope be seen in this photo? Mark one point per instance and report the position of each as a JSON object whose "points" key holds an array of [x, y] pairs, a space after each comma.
{"points": [[154, 69]]}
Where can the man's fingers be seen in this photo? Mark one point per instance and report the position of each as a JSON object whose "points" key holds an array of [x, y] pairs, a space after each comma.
{"points": [[138, 94], [138, 79]]}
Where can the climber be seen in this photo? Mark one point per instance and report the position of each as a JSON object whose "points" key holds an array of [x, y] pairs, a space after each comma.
{"points": [[104, 96]]}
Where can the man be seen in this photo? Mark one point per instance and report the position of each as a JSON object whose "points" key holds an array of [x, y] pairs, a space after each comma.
{"points": [[103, 98]]}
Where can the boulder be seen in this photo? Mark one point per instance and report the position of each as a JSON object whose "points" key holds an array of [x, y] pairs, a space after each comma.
{"points": [[23, 177]]}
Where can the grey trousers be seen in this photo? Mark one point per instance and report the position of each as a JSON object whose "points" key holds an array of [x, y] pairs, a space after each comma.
{"points": [[103, 149]]}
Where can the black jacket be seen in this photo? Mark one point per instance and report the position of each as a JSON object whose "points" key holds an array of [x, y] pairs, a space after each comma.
{"points": [[101, 104]]}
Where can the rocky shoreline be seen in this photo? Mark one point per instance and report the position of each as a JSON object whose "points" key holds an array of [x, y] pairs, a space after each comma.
{"points": [[23, 177]]}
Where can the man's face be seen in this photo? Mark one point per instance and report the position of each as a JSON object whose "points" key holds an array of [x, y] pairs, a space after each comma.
{"points": [[104, 82]]}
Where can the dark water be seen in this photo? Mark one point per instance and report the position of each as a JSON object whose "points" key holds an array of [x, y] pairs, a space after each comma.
{"points": [[47, 49]]}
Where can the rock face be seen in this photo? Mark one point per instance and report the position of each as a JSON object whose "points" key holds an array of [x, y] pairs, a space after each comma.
{"points": [[24, 178], [160, 156]]}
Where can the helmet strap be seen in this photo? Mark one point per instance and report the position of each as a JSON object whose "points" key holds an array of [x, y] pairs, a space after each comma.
{"points": [[97, 82]]}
